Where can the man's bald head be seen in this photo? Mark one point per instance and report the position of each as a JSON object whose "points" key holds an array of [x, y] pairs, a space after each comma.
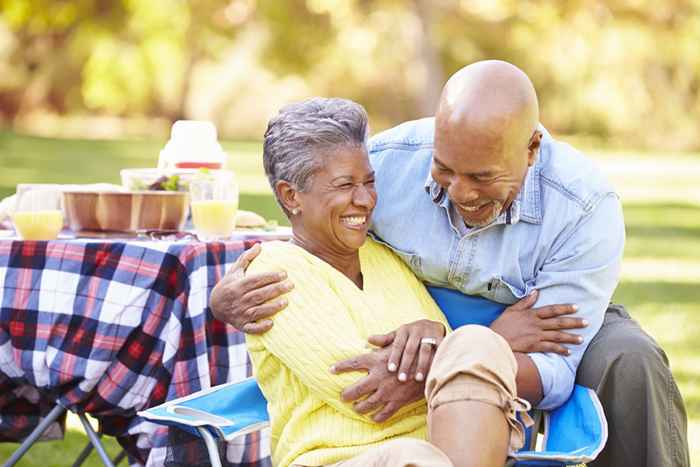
{"points": [[492, 96], [486, 137]]}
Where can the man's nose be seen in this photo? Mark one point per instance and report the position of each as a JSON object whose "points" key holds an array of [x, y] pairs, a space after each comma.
{"points": [[461, 191]]}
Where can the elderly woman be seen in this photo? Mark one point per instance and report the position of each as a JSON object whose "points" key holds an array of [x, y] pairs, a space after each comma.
{"points": [[348, 288]]}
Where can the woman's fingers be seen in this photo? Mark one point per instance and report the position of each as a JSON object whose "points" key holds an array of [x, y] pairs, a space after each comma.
{"points": [[563, 323], [551, 347], [561, 337], [425, 353], [410, 352], [382, 340], [552, 311], [525, 303], [397, 349]]}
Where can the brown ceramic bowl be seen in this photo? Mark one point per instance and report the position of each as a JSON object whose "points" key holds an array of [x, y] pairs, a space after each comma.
{"points": [[101, 211]]}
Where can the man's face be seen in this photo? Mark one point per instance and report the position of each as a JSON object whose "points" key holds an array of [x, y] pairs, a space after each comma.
{"points": [[481, 171]]}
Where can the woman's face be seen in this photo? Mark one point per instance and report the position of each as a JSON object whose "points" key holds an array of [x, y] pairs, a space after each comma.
{"points": [[335, 211]]}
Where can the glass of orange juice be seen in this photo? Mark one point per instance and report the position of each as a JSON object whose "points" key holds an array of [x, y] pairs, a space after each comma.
{"points": [[214, 203], [38, 214]]}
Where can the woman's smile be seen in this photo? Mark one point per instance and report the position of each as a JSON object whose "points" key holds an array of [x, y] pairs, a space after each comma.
{"points": [[355, 222]]}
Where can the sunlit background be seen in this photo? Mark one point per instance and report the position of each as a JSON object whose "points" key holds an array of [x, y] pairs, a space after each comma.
{"points": [[88, 87]]}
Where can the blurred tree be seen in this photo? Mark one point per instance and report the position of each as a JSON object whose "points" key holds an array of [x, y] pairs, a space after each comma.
{"points": [[616, 69], [36, 75]]}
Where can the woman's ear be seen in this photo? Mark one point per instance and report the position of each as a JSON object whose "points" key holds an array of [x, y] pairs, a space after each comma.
{"points": [[287, 195]]}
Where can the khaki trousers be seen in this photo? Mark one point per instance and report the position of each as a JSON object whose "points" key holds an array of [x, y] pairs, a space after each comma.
{"points": [[472, 363]]}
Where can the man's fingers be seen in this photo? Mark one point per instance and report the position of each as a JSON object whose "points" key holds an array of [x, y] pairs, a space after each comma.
{"points": [[563, 323], [358, 363], [363, 387], [248, 256], [373, 402], [382, 340], [260, 327], [397, 349], [526, 302], [267, 310], [252, 282], [384, 414], [553, 311], [266, 293]]}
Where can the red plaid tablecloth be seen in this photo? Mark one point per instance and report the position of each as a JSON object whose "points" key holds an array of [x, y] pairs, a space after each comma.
{"points": [[113, 327]]}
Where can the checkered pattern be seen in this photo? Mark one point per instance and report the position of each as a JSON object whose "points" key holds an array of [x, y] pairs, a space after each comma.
{"points": [[113, 327]]}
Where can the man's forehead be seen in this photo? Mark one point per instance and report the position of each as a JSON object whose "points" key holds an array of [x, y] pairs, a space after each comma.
{"points": [[470, 154]]}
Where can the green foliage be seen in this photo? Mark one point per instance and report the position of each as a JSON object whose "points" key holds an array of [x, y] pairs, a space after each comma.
{"points": [[618, 69]]}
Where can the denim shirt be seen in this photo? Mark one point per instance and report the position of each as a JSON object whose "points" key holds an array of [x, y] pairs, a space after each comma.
{"points": [[563, 235]]}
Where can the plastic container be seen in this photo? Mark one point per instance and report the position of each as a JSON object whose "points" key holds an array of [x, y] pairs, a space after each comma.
{"points": [[193, 144]]}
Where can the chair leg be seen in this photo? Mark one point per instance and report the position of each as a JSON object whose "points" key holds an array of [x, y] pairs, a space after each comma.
{"points": [[56, 412], [95, 440], [84, 454], [120, 457], [212, 448]]}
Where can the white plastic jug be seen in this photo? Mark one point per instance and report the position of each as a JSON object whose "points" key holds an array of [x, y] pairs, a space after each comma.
{"points": [[193, 144]]}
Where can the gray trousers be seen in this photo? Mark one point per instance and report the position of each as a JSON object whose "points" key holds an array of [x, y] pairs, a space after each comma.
{"points": [[645, 412]]}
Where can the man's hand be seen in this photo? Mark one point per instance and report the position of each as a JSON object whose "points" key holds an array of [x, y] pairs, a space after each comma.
{"points": [[528, 329], [384, 393], [244, 301]]}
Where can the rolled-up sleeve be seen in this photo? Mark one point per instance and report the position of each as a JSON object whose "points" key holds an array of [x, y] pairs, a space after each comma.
{"points": [[583, 269]]}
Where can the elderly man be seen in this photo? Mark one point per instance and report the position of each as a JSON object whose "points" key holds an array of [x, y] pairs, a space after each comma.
{"points": [[483, 200]]}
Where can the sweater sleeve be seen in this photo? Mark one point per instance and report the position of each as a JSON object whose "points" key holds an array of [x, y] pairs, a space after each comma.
{"points": [[315, 331]]}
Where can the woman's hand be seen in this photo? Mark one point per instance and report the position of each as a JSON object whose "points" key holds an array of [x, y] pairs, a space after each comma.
{"points": [[528, 329], [407, 350]]}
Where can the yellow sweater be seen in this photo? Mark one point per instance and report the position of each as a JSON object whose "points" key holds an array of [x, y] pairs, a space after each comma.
{"points": [[329, 319]]}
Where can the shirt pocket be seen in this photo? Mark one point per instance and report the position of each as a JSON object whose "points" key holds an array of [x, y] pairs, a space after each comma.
{"points": [[501, 291]]}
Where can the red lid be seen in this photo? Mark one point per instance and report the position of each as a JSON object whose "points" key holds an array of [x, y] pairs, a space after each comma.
{"points": [[198, 165]]}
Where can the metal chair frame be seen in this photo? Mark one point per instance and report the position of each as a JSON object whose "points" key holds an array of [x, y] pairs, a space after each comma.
{"points": [[93, 440]]}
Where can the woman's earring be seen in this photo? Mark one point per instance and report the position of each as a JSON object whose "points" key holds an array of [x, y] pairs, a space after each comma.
{"points": [[296, 211]]}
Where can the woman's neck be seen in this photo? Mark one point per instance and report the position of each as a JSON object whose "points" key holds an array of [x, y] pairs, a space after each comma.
{"points": [[347, 263]]}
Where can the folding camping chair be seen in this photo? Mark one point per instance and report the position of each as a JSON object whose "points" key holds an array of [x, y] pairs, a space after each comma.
{"points": [[574, 433], [93, 440]]}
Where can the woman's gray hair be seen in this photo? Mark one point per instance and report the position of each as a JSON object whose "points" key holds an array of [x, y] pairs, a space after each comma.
{"points": [[302, 134]]}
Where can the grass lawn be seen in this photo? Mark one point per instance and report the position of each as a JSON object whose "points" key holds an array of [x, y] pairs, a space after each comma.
{"points": [[661, 273]]}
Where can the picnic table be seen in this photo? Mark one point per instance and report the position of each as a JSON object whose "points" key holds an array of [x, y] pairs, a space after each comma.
{"points": [[113, 326]]}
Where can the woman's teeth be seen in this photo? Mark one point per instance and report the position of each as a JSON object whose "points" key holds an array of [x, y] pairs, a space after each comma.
{"points": [[354, 220]]}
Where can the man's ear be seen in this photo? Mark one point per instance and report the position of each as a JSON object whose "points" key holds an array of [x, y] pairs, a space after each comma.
{"points": [[287, 195], [533, 147]]}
